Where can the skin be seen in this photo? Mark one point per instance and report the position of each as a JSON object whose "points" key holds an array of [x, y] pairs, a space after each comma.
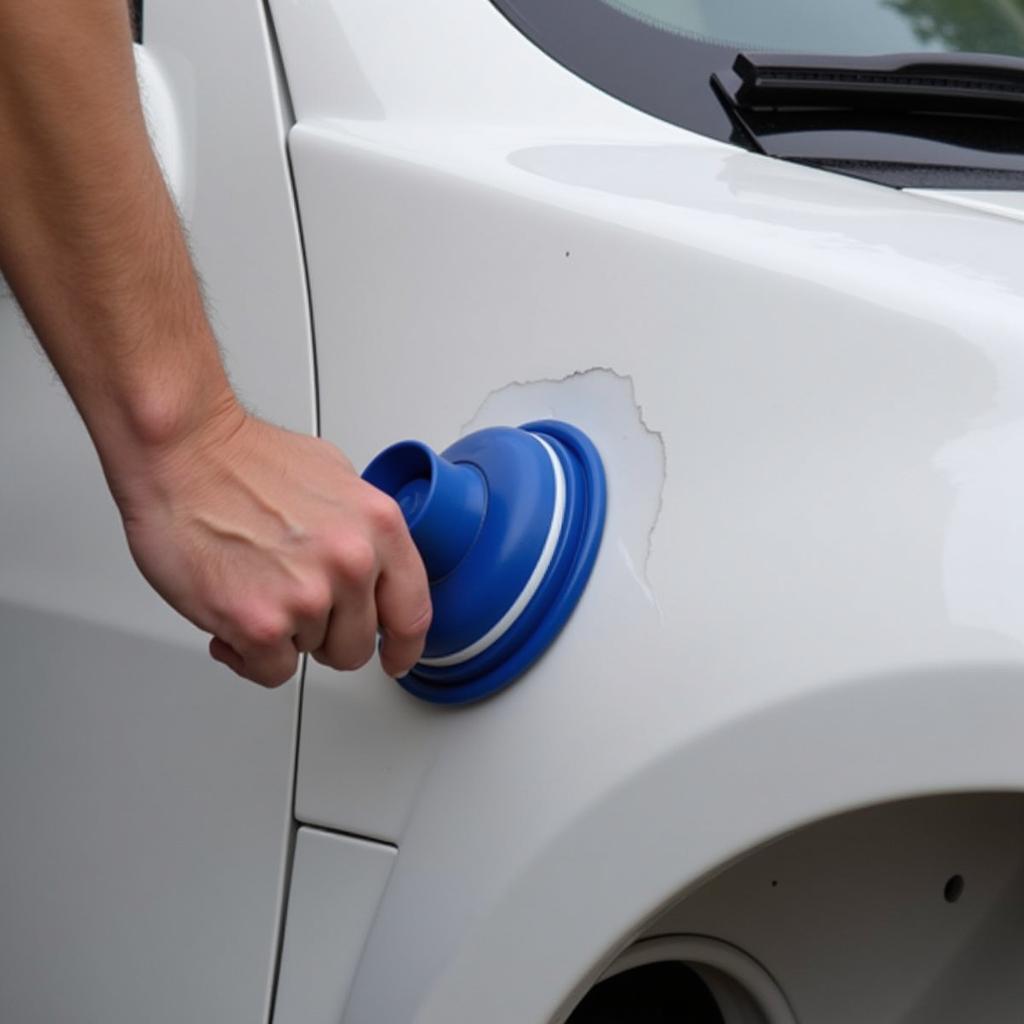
{"points": [[264, 538]]}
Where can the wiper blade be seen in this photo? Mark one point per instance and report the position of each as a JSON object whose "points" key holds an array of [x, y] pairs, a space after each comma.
{"points": [[950, 118], [978, 84]]}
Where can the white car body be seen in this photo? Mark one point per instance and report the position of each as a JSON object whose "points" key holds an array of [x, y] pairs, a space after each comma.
{"points": [[786, 714]]}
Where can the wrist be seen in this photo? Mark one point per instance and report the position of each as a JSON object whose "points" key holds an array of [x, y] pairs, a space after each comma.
{"points": [[147, 442], [173, 407]]}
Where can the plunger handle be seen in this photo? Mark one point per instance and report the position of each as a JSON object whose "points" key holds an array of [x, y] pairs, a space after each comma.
{"points": [[443, 502]]}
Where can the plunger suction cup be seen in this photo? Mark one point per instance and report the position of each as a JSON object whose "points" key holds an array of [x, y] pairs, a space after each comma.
{"points": [[508, 521]]}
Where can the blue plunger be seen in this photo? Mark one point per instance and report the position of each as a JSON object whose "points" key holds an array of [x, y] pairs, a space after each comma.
{"points": [[508, 522]]}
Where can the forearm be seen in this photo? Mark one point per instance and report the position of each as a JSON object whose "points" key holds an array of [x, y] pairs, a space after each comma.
{"points": [[89, 237], [266, 539]]}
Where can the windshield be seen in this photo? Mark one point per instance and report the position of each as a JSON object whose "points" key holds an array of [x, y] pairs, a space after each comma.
{"points": [[879, 89], [841, 26]]}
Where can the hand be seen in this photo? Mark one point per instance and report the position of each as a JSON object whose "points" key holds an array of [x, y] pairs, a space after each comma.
{"points": [[270, 541], [264, 538]]}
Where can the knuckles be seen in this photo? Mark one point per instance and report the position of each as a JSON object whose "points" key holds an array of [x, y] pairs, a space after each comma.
{"points": [[263, 628], [384, 515], [354, 560], [313, 599]]}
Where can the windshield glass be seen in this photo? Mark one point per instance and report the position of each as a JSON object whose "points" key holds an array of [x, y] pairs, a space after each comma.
{"points": [[841, 26], [683, 61]]}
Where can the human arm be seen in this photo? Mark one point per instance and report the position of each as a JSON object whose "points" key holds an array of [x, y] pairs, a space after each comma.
{"points": [[265, 538]]}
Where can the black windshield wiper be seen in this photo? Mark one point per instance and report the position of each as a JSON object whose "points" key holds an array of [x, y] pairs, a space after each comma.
{"points": [[953, 84], [949, 120]]}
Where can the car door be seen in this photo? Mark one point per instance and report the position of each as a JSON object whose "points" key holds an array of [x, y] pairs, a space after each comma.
{"points": [[145, 793]]}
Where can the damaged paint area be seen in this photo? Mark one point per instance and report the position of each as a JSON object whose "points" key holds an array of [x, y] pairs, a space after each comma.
{"points": [[602, 403]]}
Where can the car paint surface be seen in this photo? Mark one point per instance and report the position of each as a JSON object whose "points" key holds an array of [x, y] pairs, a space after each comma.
{"points": [[829, 615], [808, 392], [145, 795]]}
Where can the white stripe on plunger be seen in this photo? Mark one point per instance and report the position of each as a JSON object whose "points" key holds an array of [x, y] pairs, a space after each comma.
{"points": [[502, 626]]}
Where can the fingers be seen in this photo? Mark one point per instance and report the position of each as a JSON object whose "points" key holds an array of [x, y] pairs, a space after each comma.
{"points": [[257, 644], [312, 610], [269, 668], [386, 592], [343, 637], [402, 644], [362, 577], [403, 607], [226, 655], [352, 633], [261, 638]]}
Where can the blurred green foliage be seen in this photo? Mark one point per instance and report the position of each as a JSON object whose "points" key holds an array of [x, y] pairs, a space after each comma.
{"points": [[980, 26]]}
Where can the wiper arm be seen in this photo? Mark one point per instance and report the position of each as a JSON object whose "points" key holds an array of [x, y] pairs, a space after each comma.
{"points": [[978, 84], [952, 117]]}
